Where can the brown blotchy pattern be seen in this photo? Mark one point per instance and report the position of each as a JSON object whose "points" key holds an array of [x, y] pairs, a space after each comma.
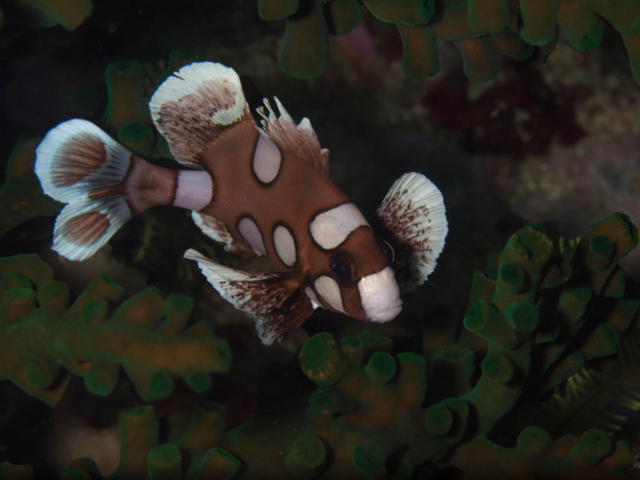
{"points": [[108, 191], [285, 320], [187, 125], [81, 155], [85, 229], [279, 305], [395, 223]]}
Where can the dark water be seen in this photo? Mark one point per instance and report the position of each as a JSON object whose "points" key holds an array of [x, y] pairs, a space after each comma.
{"points": [[554, 144]]}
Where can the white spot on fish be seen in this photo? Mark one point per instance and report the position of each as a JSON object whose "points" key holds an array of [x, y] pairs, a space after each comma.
{"points": [[251, 233], [329, 229], [194, 190], [266, 160], [285, 245], [328, 289]]}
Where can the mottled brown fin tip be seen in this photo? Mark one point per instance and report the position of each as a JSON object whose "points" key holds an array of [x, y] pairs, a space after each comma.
{"points": [[274, 299], [412, 220], [79, 164], [192, 108]]}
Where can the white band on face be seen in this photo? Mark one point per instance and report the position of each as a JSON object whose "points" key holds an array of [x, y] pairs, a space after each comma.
{"points": [[380, 296], [329, 229]]}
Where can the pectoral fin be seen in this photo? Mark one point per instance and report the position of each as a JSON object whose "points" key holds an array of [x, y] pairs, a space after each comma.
{"points": [[276, 300], [412, 221]]}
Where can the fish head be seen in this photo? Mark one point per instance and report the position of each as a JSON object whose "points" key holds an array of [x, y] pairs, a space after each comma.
{"points": [[357, 278]]}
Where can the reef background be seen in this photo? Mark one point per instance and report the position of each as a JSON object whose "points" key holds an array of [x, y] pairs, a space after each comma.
{"points": [[555, 144]]}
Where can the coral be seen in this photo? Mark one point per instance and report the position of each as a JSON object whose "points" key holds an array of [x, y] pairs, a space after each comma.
{"points": [[21, 196], [49, 13], [146, 336], [526, 115], [479, 30], [535, 320]]}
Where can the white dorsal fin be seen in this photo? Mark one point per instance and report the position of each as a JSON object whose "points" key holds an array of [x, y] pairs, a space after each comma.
{"points": [[300, 139], [79, 164], [195, 105], [274, 299], [412, 220]]}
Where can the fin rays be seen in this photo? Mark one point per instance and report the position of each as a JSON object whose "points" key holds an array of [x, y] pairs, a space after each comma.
{"points": [[195, 105], [301, 139], [274, 299], [412, 220], [74, 161]]}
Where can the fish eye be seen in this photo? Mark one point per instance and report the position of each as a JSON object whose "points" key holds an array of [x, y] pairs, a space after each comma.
{"points": [[341, 268]]}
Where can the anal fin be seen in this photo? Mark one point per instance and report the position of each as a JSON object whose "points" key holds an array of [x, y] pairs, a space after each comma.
{"points": [[276, 300], [217, 230]]}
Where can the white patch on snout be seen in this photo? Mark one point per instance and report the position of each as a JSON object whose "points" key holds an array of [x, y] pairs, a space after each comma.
{"points": [[329, 289], [266, 159], [380, 296], [329, 229], [251, 233]]}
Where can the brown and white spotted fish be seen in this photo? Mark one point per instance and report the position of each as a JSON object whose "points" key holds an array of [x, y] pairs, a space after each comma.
{"points": [[260, 189]]}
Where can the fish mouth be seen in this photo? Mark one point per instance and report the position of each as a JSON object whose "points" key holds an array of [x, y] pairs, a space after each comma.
{"points": [[384, 313], [380, 296]]}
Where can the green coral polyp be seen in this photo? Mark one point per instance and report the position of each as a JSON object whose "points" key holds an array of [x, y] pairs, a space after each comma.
{"points": [[522, 316], [41, 345], [53, 296], [600, 253], [219, 464], [407, 12], [137, 137], [438, 419], [368, 456], [165, 461], [322, 359], [574, 302], [381, 368], [325, 401], [479, 28], [497, 368], [532, 441], [513, 278], [306, 457], [377, 413]]}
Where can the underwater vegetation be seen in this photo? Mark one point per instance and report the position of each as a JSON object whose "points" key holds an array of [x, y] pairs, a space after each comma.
{"points": [[47, 13], [537, 317], [479, 386], [522, 29], [21, 194], [145, 335], [480, 29]]}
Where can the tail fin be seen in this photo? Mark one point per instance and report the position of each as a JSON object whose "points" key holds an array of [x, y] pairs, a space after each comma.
{"points": [[79, 164]]}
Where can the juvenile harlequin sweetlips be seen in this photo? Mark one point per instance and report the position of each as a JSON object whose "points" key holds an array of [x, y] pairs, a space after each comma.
{"points": [[262, 190]]}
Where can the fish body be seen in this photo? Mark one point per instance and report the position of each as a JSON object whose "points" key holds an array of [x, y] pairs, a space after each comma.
{"points": [[260, 189]]}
